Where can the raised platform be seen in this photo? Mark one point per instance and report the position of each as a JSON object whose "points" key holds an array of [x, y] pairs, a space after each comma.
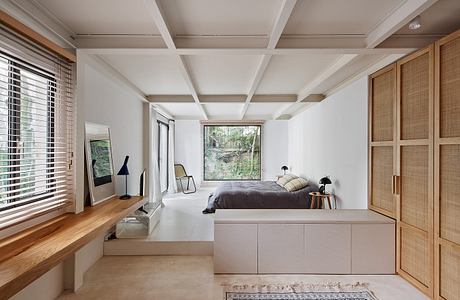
{"points": [[311, 241]]}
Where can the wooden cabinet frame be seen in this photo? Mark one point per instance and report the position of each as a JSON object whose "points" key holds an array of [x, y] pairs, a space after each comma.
{"points": [[427, 289], [438, 142], [372, 144]]}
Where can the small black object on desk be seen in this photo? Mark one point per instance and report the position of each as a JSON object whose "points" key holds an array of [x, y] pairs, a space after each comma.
{"points": [[124, 171]]}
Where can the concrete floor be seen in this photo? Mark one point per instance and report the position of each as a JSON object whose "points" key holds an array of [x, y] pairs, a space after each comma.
{"points": [[182, 220], [192, 278]]}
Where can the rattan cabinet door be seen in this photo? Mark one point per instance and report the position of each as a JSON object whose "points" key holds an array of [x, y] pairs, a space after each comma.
{"points": [[382, 140], [447, 168], [414, 184]]}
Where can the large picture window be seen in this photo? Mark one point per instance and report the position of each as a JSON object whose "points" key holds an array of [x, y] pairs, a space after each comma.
{"points": [[232, 152]]}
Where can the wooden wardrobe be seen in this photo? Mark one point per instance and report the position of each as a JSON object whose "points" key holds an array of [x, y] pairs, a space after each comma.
{"points": [[414, 163]]}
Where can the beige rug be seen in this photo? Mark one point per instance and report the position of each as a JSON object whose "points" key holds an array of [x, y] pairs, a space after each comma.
{"points": [[298, 291]]}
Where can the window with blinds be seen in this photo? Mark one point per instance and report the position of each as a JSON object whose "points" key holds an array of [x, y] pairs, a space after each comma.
{"points": [[36, 136]]}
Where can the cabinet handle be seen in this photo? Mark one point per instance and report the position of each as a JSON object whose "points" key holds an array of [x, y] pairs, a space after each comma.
{"points": [[398, 185], [393, 184]]}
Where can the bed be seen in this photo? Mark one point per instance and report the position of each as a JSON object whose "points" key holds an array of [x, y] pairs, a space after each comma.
{"points": [[257, 194]]}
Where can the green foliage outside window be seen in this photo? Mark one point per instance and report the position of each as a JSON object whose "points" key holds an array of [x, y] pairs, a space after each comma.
{"points": [[232, 152]]}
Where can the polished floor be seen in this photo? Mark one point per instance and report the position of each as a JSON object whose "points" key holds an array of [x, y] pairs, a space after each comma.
{"points": [[192, 278], [182, 220]]}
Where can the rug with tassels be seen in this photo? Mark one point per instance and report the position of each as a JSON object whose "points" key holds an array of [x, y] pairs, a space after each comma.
{"points": [[298, 291]]}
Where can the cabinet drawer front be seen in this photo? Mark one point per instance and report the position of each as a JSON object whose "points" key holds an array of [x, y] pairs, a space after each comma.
{"points": [[281, 248], [373, 248], [328, 248], [235, 248]]}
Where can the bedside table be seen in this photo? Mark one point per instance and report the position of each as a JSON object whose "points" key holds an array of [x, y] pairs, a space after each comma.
{"points": [[317, 200]]}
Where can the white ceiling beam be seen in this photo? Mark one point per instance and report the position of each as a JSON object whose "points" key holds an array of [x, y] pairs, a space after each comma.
{"points": [[332, 69], [281, 20], [236, 98], [408, 10], [158, 18], [310, 87], [241, 51], [263, 64]]}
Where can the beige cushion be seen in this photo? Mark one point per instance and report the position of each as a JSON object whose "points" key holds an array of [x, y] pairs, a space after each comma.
{"points": [[285, 179], [296, 184]]}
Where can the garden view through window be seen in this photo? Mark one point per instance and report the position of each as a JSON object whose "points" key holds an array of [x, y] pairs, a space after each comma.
{"points": [[232, 152]]}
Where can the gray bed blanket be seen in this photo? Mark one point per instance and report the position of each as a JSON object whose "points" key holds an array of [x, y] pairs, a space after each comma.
{"points": [[257, 194]]}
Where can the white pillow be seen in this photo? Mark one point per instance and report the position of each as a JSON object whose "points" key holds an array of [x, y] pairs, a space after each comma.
{"points": [[296, 184], [285, 179]]}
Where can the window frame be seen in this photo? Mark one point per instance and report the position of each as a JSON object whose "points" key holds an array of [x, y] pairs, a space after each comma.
{"points": [[15, 66], [161, 123], [204, 152]]}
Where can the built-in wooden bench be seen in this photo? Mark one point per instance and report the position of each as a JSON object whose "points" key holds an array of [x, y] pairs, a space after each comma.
{"points": [[314, 241], [29, 254]]}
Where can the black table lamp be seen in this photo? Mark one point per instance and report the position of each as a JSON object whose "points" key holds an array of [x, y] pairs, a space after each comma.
{"points": [[324, 181], [124, 171], [284, 168]]}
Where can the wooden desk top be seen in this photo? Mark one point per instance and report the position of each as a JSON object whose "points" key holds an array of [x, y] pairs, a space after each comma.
{"points": [[29, 254], [299, 216]]}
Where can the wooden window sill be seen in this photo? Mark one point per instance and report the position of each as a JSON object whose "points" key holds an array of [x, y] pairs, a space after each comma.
{"points": [[27, 255]]}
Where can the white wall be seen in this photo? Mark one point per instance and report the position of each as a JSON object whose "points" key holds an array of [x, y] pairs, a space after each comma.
{"points": [[103, 100], [189, 146], [189, 143], [330, 138], [274, 148]]}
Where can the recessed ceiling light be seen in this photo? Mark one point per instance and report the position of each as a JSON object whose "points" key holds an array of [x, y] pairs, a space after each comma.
{"points": [[415, 23]]}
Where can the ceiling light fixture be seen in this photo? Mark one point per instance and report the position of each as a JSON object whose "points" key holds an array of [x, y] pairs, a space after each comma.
{"points": [[415, 23]]}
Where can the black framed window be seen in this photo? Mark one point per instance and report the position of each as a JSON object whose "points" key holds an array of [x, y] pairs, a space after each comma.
{"points": [[27, 133], [231, 152], [163, 154]]}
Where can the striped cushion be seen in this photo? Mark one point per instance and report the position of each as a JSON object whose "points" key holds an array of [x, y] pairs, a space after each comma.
{"points": [[285, 179], [296, 184]]}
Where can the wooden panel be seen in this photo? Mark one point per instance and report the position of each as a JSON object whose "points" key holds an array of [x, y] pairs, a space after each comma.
{"points": [[288, 239], [415, 254], [414, 186], [450, 272], [449, 88], [44, 246], [374, 249], [414, 98], [450, 192], [381, 178], [447, 167], [36, 37], [383, 101], [322, 242], [235, 248]]}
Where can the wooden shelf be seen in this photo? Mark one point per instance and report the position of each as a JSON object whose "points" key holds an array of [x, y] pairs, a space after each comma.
{"points": [[29, 254]]}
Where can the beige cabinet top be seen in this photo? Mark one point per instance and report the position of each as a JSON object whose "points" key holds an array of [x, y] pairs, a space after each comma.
{"points": [[301, 216]]}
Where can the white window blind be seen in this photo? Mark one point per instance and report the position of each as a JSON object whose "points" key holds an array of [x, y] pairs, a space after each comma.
{"points": [[36, 130]]}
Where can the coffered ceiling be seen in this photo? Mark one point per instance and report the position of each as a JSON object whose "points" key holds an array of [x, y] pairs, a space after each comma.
{"points": [[240, 59]]}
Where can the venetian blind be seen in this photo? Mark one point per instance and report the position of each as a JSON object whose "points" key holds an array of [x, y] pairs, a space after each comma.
{"points": [[36, 130]]}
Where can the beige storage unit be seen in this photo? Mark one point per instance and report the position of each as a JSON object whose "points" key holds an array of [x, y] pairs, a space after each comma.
{"points": [[447, 168], [420, 166], [303, 241]]}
